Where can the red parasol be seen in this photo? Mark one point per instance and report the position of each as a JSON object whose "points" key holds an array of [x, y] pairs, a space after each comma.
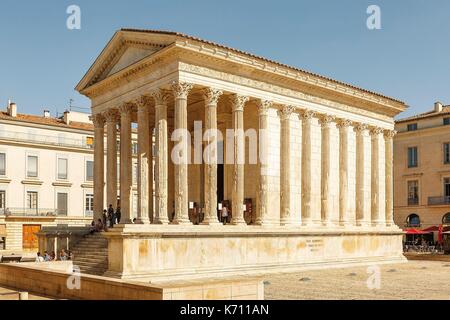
{"points": [[415, 231]]}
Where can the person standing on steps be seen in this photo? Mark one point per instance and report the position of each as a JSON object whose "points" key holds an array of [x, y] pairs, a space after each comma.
{"points": [[111, 216], [118, 214]]}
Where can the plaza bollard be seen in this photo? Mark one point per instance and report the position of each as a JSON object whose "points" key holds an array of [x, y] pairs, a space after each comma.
{"points": [[23, 295]]}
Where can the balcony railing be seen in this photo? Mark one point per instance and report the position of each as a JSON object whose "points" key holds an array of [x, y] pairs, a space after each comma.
{"points": [[28, 212], [413, 201], [435, 201], [44, 139]]}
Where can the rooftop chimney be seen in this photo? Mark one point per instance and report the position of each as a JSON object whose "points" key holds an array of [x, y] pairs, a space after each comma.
{"points": [[12, 109], [46, 114], [438, 107]]}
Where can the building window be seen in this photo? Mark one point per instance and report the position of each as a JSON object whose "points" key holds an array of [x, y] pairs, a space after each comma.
{"points": [[2, 200], [90, 142], [446, 153], [413, 192], [134, 148], [413, 220], [446, 218], [135, 173], [32, 167], [89, 170], [412, 127], [89, 204], [412, 157], [2, 164], [32, 201], [62, 168], [446, 121], [447, 187], [61, 203]]}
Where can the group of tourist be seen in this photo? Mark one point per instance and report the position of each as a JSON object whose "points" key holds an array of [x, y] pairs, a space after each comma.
{"points": [[47, 257], [109, 218]]}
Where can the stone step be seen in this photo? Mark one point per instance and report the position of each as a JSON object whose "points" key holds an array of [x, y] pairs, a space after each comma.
{"points": [[90, 254], [89, 259], [81, 265], [92, 246]]}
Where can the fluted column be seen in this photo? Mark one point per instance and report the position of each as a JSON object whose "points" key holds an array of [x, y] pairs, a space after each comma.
{"points": [[112, 117], [99, 164], [144, 159], [307, 174], [126, 171], [263, 195], [181, 91], [211, 97], [286, 214], [151, 211], [344, 218], [389, 154], [161, 215], [326, 181], [237, 106], [377, 178], [171, 177], [362, 218]]}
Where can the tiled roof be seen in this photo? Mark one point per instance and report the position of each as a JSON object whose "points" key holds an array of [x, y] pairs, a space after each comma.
{"points": [[257, 57], [28, 118], [429, 114]]}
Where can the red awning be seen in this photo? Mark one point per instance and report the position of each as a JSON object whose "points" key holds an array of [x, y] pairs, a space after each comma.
{"points": [[415, 231], [431, 229]]}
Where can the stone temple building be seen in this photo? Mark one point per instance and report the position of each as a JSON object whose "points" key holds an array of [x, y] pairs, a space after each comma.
{"points": [[323, 196]]}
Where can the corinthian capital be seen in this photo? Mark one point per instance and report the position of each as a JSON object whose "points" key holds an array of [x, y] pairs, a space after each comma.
{"points": [[375, 131], [326, 119], [286, 111], [307, 115], [142, 103], [389, 134], [360, 127], [212, 96], [238, 102], [344, 123], [111, 115], [264, 106], [98, 120], [126, 109], [160, 96], [181, 89]]}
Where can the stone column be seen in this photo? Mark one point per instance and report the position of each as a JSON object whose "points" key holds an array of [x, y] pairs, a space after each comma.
{"points": [[343, 125], [389, 154], [326, 181], [161, 162], [377, 187], [361, 217], [99, 164], [211, 97], [285, 166], [150, 174], [263, 196], [126, 171], [144, 158], [307, 175], [112, 117], [171, 178], [181, 91], [237, 106]]}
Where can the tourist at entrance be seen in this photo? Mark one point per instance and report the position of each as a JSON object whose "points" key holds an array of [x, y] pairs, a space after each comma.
{"points": [[111, 216], [47, 257], [63, 255], [99, 226], [224, 214], [118, 214], [39, 257]]}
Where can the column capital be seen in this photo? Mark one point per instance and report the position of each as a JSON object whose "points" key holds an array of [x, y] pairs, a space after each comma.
{"points": [[360, 127], [142, 103], [325, 120], [389, 134], [344, 123], [111, 116], [307, 114], [375, 131], [211, 96], [264, 106], [98, 120], [238, 102], [181, 89], [126, 108], [160, 96], [286, 111]]}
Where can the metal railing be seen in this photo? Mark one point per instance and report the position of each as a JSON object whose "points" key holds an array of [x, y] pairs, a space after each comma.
{"points": [[413, 201], [435, 201], [44, 139]]}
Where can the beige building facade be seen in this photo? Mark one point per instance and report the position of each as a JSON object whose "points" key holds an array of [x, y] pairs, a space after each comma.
{"points": [[324, 196], [422, 169]]}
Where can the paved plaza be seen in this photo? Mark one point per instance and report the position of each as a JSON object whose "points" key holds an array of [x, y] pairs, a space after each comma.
{"points": [[415, 280]]}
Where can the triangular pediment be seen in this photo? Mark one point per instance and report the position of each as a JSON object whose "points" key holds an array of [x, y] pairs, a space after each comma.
{"points": [[124, 50]]}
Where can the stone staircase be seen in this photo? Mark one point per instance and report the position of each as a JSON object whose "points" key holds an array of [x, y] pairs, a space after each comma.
{"points": [[91, 254]]}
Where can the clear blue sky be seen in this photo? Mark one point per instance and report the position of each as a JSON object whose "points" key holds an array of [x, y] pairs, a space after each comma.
{"points": [[42, 61]]}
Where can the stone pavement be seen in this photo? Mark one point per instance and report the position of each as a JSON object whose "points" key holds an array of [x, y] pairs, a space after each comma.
{"points": [[415, 280]]}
